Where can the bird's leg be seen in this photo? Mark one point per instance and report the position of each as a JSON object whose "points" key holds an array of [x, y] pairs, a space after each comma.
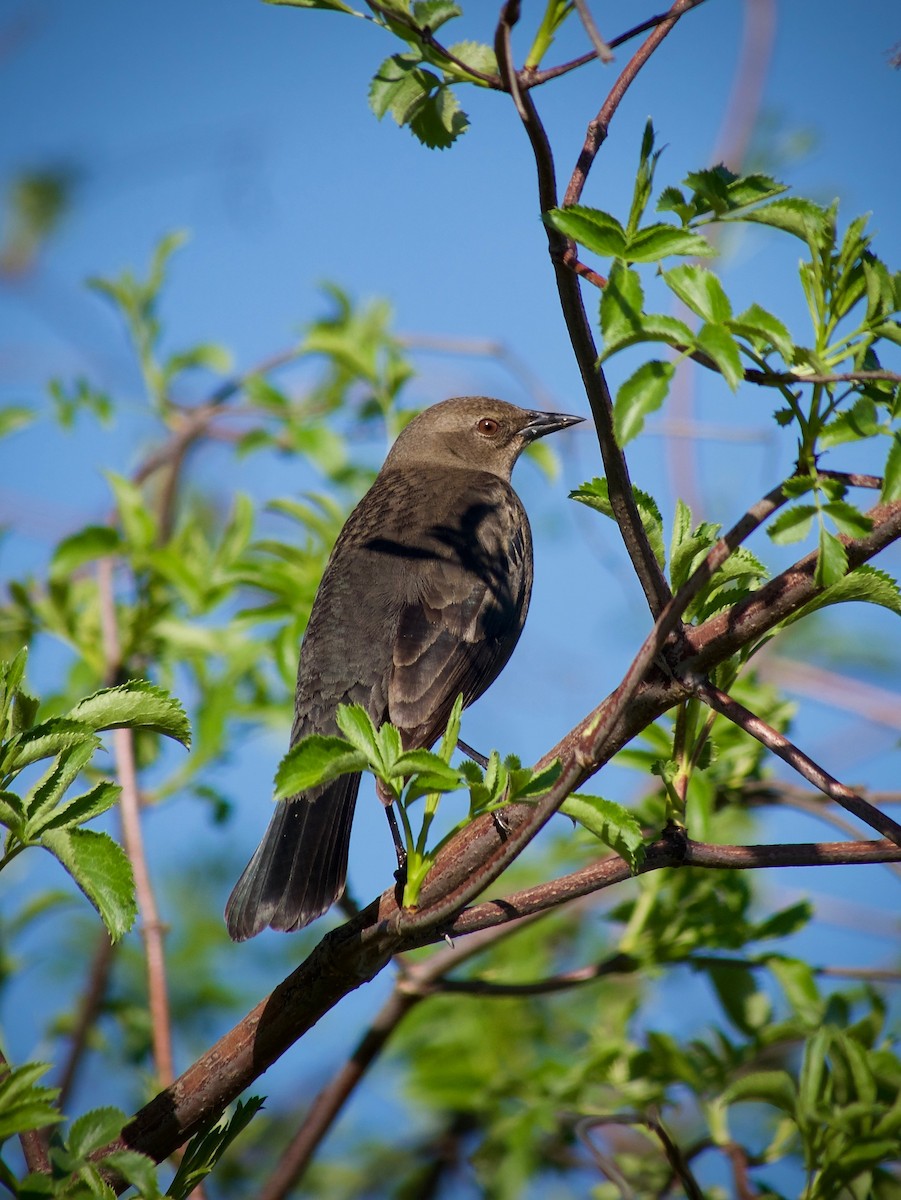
{"points": [[475, 755], [399, 849]]}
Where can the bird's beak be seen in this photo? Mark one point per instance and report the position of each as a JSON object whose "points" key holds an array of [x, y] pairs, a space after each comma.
{"points": [[541, 423]]}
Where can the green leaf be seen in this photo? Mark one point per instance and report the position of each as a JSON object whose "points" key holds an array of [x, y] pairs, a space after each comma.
{"points": [[24, 1106], [206, 1147], [134, 705], [476, 55], [701, 291], [597, 231], [762, 329], [14, 417], [718, 344], [891, 482], [747, 1006], [432, 14], [77, 811], [137, 1169], [660, 241], [47, 793], [853, 424], [641, 394], [792, 524], [438, 119], [316, 760], [802, 218], [864, 583], [45, 741], [439, 775], [12, 813], [596, 496], [767, 1087], [848, 519], [832, 561], [357, 726], [798, 982], [612, 824], [326, 5], [90, 543], [94, 1130], [622, 301], [102, 871], [138, 522]]}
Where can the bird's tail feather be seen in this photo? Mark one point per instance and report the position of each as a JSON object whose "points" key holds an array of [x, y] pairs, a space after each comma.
{"points": [[299, 868]]}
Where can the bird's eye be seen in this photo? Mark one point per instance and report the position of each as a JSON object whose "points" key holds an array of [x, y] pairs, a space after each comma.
{"points": [[487, 426]]}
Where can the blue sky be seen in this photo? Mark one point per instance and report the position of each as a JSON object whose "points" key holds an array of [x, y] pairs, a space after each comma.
{"points": [[248, 126]]}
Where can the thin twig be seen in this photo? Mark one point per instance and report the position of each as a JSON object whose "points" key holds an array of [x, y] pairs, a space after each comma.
{"points": [[88, 1012], [622, 499], [780, 745], [414, 984], [597, 128], [152, 928], [32, 1141], [602, 48], [880, 706]]}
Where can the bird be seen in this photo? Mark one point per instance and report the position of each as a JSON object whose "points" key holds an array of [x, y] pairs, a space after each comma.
{"points": [[424, 597]]}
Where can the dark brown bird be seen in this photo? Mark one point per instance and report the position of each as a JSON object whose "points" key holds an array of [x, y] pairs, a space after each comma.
{"points": [[424, 597]]}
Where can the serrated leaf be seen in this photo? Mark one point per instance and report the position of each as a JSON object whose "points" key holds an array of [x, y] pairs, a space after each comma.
{"points": [[526, 784], [134, 705], [438, 119], [357, 726], [642, 393], [792, 524], [138, 1170], [77, 811], [596, 496], [432, 14], [45, 741], [792, 214], [12, 812], [101, 870], [718, 344], [864, 583], [701, 291], [848, 519], [94, 1130], [206, 1147], [476, 55], [832, 560], [597, 231], [23, 1105], [399, 86], [761, 327], [661, 241], [622, 301], [853, 424], [316, 760], [612, 824], [891, 480], [440, 776]]}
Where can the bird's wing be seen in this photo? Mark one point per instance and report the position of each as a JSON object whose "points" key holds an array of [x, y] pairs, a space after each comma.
{"points": [[458, 632]]}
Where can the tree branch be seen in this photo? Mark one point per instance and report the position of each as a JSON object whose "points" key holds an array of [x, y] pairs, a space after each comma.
{"points": [[152, 928], [620, 487], [780, 745]]}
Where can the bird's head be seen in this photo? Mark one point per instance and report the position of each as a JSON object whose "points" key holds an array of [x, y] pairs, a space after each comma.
{"points": [[474, 432]]}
